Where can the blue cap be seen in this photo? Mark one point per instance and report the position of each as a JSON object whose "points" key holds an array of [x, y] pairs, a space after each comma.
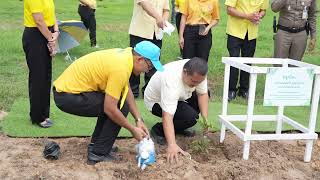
{"points": [[150, 51]]}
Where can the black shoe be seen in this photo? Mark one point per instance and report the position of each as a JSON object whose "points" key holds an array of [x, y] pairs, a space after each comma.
{"points": [[94, 158], [158, 139], [113, 149], [243, 94], [231, 95], [187, 133]]}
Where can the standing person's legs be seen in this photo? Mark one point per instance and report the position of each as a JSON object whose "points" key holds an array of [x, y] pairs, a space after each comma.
{"points": [[88, 18], [135, 80], [84, 13], [190, 35], [247, 50], [282, 44], [39, 64], [204, 46], [148, 75], [299, 45], [178, 20], [92, 28], [46, 96], [234, 45]]}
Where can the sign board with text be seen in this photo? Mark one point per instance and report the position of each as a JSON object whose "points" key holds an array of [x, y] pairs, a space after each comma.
{"points": [[288, 86]]}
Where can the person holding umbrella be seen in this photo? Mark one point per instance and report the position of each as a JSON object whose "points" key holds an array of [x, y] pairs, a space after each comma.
{"points": [[97, 85], [38, 40], [86, 10]]}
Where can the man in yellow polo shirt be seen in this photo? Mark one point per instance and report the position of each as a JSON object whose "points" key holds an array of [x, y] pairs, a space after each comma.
{"points": [[244, 17], [97, 85]]}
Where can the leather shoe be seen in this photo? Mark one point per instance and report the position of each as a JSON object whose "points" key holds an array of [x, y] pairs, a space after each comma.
{"points": [[94, 158], [113, 149], [156, 138], [243, 94], [231, 95]]}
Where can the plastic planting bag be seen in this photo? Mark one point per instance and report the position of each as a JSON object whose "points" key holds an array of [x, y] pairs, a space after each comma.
{"points": [[145, 153]]}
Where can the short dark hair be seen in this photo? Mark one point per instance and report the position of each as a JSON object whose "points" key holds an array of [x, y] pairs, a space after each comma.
{"points": [[196, 65]]}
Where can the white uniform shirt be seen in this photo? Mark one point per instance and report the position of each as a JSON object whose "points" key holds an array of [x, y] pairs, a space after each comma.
{"points": [[167, 88], [143, 25]]}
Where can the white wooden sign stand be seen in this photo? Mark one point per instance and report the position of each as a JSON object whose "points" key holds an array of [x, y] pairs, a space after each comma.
{"points": [[307, 133]]}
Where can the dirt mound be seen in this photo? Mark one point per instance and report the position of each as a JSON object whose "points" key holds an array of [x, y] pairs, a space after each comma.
{"points": [[23, 159]]}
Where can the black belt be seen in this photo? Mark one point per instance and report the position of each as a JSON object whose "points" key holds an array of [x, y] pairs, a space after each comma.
{"points": [[291, 29]]}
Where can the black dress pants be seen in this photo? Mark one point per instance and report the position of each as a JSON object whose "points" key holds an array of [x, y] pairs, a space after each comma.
{"points": [[178, 20], [89, 20], [135, 80], [185, 116], [247, 48], [40, 73], [91, 104], [196, 45]]}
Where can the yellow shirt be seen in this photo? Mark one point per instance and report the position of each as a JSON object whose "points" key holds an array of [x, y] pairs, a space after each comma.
{"points": [[46, 7], [105, 71], [143, 25], [238, 27], [91, 3], [179, 4], [200, 11]]}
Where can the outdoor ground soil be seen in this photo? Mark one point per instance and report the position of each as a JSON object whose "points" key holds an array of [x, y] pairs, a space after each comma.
{"points": [[21, 158]]}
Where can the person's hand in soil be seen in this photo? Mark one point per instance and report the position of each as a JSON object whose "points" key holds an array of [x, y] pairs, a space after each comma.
{"points": [[142, 126], [205, 132], [173, 151], [138, 133]]}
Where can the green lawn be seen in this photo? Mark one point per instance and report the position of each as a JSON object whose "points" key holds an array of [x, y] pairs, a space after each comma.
{"points": [[17, 124], [113, 17]]}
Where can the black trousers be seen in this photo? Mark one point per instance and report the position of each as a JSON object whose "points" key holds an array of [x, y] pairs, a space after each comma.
{"points": [[40, 73], [247, 48], [89, 20], [185, 116], [135, 80], [178, 20], [196, 45], [91, 104]]}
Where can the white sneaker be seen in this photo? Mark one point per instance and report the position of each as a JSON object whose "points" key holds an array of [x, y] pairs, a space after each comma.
{"points": [[96, 46]]}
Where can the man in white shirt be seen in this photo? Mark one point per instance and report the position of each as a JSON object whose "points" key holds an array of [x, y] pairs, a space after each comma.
{"points": [[178, 95]]}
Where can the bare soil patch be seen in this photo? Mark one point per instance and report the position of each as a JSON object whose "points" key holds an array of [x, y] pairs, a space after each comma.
{"points": [[21, 158]]}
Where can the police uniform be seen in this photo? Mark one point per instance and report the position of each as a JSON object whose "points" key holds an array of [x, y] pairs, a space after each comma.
{"points": [[290, 41]]}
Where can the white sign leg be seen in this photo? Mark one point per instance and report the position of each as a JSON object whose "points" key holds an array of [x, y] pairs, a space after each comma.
{"points": [[279, 119], [252, 93], [313, 117], [225, 101]]}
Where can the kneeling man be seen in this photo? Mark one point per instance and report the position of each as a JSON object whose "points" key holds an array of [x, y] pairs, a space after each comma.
{"points": [[97, 85], [178, 95]]}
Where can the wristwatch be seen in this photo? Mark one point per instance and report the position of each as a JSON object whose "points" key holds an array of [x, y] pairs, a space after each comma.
{"points": [[139, 119]]}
